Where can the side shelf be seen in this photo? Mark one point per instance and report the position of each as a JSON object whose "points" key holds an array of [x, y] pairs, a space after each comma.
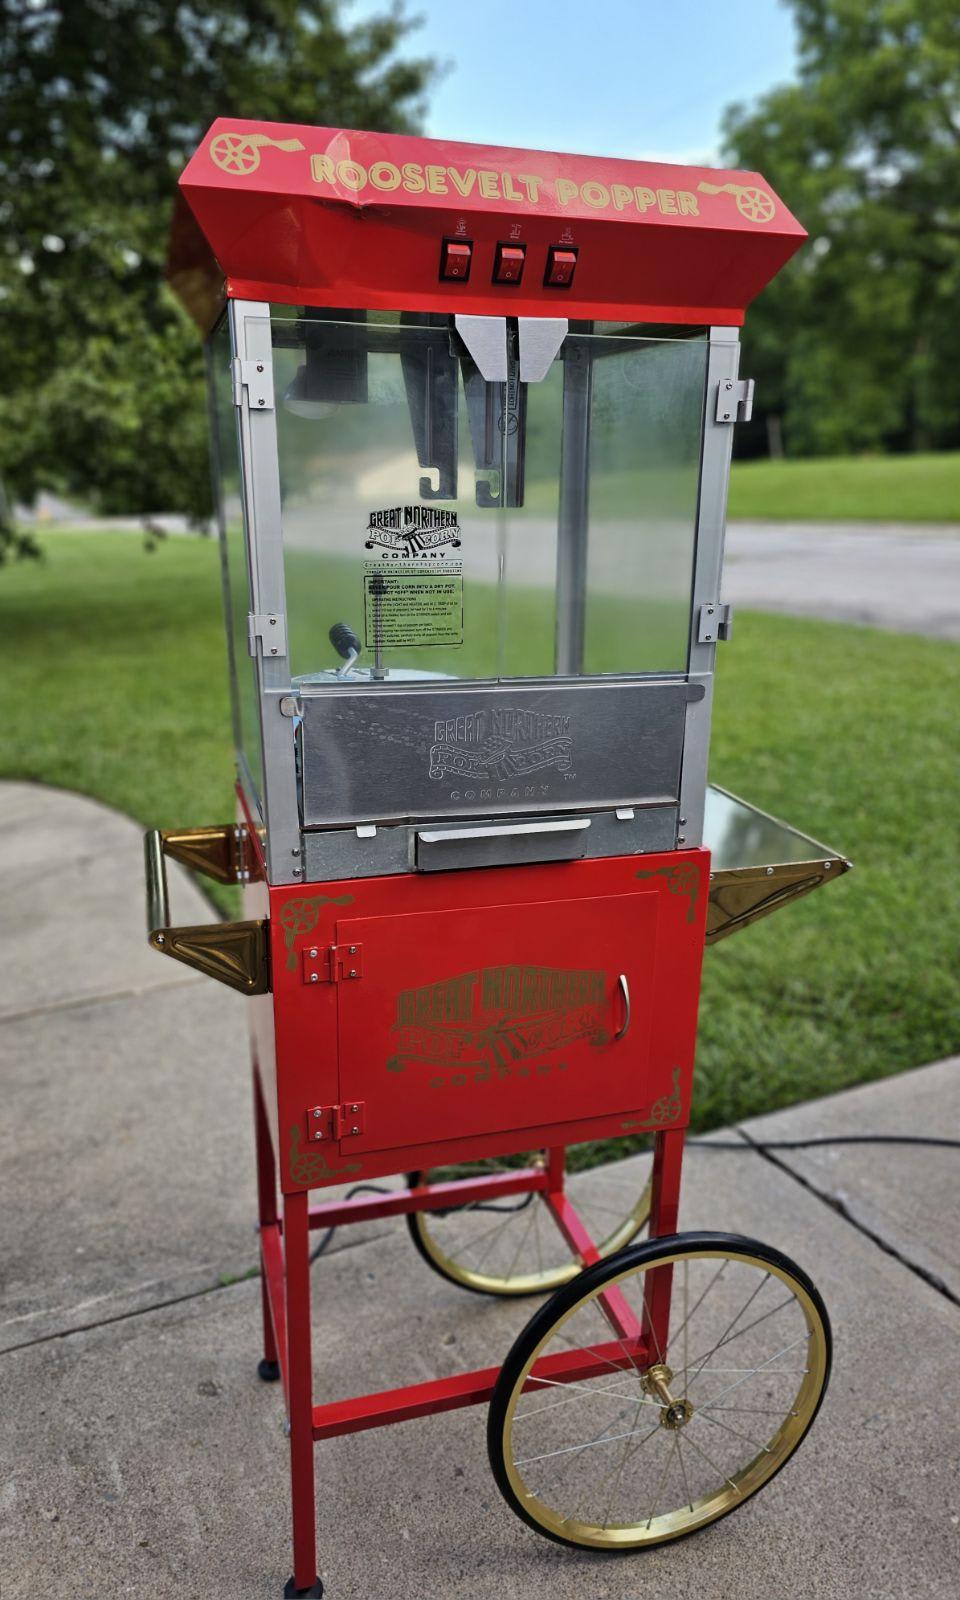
{"points": [[758, 863]]}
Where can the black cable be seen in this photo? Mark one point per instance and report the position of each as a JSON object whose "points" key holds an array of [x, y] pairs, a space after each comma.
{"points": [[358, 1188], [839, 1138]]}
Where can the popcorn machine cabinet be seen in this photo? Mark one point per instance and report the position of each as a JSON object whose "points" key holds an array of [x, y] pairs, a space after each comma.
{"points": [[473, 412]]}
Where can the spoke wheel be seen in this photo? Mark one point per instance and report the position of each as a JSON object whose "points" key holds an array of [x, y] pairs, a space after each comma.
{"points": [[513, 1246], [637, 1455]]}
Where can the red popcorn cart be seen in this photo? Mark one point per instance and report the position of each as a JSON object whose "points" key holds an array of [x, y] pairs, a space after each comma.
{"points": [[473, 412]]}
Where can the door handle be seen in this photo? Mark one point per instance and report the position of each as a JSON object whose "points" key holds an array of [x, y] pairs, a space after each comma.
{"points": [[624, 987]]}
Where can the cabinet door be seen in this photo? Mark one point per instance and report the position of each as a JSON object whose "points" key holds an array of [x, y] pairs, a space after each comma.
{"points": [[497, 1018]]}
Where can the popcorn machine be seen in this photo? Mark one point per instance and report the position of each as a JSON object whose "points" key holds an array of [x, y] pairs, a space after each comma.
{"points": [[473, 412]]}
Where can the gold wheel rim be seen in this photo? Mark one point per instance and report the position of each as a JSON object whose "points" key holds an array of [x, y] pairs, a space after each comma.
{"points": [[658, 1529], [524, 1282]]}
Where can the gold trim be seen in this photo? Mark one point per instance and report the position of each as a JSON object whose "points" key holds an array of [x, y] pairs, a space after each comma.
{"points": [[235, 953], [218, 852]]}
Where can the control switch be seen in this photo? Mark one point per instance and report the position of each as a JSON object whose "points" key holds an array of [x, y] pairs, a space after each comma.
{"points": [[455, 259], [508, 266], [561, 265]]}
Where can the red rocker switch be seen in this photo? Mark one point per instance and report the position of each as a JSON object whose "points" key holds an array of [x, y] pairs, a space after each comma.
{"points": [[455, 259], [508, 267], [561, 265]]}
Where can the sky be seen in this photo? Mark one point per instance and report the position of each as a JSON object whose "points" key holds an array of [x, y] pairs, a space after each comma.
{"points": [[647, 79]]}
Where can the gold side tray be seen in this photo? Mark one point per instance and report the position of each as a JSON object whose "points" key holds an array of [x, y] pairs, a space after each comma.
{"points": [[758, 863], [216, 852], [235, 953]]}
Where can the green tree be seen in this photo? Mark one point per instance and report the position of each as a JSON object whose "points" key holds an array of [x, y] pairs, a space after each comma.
{"points": [[101, 104], [856, 346]]}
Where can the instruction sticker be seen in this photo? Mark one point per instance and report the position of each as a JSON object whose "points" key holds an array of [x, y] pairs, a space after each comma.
{"points": [[412, 608], [412, 579]]}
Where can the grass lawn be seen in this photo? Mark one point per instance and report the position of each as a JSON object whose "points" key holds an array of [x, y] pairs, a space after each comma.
{"points": [[114, 683], [920, 488]]}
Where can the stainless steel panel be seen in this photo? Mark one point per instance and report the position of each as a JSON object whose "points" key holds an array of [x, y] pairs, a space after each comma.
{"points": [[738, 835], [330, 854], [428, 753]]}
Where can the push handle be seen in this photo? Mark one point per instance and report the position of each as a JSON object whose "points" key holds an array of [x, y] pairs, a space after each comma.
{"points": [[158, 898], [624, 988]]}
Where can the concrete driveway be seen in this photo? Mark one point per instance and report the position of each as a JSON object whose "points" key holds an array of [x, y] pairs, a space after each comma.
{"points": [[901, 576]]}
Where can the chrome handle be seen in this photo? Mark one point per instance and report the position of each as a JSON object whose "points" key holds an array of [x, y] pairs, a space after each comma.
{"points": [[503, 830], [624, 987]]}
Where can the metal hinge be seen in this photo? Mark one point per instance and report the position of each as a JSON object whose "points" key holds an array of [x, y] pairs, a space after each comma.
{"points": [[270, 627], [257, 378], [735, 400], [332, 963], [336, 1122], [716, 622]]}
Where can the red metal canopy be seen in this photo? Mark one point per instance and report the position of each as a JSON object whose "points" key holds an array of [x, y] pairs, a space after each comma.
{"points": [[331, 217]]}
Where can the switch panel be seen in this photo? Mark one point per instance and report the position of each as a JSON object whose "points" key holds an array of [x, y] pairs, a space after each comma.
{"points": [[561, 265], [508, 266], [455, 257]]}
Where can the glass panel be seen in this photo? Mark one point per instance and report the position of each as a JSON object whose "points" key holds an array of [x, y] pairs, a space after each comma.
{"points": [[437, 526], [236, 583], [600, 555], [391, 457]]}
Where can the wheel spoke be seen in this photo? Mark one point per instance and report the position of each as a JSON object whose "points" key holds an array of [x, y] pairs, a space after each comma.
{"points": [[753, 1371]]}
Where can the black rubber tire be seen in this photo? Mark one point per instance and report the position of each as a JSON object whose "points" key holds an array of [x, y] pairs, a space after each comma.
{"points": [[268, 1371], [588, 1280]]}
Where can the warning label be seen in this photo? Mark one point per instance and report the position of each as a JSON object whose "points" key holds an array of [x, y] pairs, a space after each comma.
{"points": [[412, 608]]}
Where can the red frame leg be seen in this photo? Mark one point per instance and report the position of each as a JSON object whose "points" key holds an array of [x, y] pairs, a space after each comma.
{"points": [[296, 1251], [266, 1203], [664, 1209]]}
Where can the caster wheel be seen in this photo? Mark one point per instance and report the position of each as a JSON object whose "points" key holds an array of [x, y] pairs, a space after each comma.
{"points": [[313, 1593], [653, 1443], [268, 1371]]}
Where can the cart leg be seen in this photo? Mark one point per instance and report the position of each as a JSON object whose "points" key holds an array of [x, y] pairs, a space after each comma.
{"points": [[296, 1250], [556, 1168], [269, 1367], [664, 1209]]}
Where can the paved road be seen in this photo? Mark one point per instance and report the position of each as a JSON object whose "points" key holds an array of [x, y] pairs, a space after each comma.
{"points": [[902, 577], [140, 1455]]}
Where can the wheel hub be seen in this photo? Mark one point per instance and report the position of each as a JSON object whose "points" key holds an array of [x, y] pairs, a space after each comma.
{"points": [[674, 1413]]}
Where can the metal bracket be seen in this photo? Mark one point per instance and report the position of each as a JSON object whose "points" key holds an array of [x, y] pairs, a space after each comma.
{"points": [[257, 378], [270, 627], [735, 400], [715, 622], [332, 962], [539, 339], [486, 340], [336, 1122]]}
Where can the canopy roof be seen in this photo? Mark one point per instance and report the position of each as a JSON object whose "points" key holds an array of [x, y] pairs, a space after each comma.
{"points": [[331, 217]]}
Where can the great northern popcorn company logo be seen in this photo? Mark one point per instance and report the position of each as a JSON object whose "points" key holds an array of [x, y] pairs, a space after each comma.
{"points": [[488, 1022], [407, 532], [500, 745]]}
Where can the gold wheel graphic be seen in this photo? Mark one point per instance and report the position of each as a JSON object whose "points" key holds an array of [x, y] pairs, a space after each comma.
{"points": [[513, 1246], [635, 1456], [755, 204], [234, 153]]}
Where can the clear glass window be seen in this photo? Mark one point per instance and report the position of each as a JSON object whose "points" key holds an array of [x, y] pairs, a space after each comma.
{"points": [[437, 526]]}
